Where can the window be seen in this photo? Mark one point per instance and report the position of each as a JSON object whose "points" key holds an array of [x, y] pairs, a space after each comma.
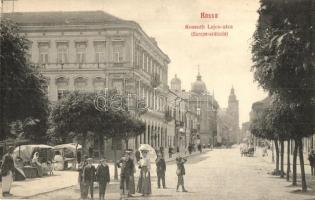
{"points": [[43, 53], [118, 85], [62, 52], [142, 60], [80, 84], [148, 63], [145, 57], [150, 66], [81, 52], [137, 57], [62, 94], [118, 51], [99, 52]]}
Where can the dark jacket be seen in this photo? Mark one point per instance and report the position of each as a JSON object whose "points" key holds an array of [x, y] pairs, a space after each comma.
{"points": [[89, 174], [160, 166], [127, 167], [7, 165], [138, 155], [102, 174], [311, 158], [180, 165]]}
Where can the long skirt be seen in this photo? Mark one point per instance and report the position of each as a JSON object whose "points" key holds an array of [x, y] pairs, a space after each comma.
{"points": [[7, 182], [144, 183]]}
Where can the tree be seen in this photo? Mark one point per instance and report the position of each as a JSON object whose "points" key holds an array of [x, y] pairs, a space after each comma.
{"points": [[22, 88], [284, 61], [103, 116]]}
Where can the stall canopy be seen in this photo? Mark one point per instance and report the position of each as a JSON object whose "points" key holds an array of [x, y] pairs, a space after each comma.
{"points": [[25, 152], [68, 150]]}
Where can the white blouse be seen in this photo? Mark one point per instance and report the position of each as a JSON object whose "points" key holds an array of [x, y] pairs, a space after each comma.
{"points": [[145, 162]]}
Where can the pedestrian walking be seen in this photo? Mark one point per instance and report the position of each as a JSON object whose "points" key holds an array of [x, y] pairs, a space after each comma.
{"points": [[144, 183], [180, 172], [132, 186], [102, 177], [170, 152], [80, 178], [7, 170], [160, 170], [127, 169], [88, 179], [199, 148], [311, 158], [190, 148]]}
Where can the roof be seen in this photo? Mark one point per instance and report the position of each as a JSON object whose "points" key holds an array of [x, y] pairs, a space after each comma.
{"points": [[62, 17], [55, 18]]}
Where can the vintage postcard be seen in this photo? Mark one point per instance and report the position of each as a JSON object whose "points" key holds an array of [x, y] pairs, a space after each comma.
{"points": [[157, 99]]}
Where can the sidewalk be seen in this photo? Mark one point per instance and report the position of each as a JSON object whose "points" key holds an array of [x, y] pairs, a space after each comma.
{"points": [[66, 179], [309, 179]]}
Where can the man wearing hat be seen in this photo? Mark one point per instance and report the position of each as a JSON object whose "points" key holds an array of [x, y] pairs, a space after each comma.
{"points": [[127, 168], [102, 177], [160, 170], [7, 170], [81, 166], [88, 178], [180, 172]]}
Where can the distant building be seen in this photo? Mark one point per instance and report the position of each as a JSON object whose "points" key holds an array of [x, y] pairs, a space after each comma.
{"points": [[201, 107], [228, 121]]}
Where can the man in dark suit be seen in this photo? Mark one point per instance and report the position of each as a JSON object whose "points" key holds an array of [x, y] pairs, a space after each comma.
{"points": [[103, 177], [127, 168], [7, 170], [88, 178], [160, 170]]}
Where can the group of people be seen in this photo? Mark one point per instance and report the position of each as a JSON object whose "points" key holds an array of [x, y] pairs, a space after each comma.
{"points": [[127, 165], [128, 169], [88, 174]]}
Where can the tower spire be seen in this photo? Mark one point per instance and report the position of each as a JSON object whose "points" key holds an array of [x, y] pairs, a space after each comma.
{"points": [[199, 76]]}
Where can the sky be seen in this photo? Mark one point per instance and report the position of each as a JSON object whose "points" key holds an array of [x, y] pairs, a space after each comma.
{"points": [[224, 61]]}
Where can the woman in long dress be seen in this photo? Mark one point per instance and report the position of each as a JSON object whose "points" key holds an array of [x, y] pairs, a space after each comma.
{"points": [[144, 183]]}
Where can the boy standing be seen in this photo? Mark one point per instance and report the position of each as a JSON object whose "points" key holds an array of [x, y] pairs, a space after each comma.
{"points": [[160, 170]]}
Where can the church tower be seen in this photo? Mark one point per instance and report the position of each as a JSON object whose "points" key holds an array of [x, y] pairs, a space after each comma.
{"points": [[233, 112], [233, 108], [176, 84]]}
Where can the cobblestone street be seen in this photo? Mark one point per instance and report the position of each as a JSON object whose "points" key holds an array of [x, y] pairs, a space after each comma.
{"points": [[219, 175]]}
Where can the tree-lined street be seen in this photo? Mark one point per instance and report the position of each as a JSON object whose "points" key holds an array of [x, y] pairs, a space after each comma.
{"points": [[218, 174]]}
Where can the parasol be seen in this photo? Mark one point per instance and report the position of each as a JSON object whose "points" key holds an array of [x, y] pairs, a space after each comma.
{"points": [[151, 151]]}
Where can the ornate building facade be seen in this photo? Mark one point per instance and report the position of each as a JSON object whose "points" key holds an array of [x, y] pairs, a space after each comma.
{"points": [[202, 108], [95, 51]]}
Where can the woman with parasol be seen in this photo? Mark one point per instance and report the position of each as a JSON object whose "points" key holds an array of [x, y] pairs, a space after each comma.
{"points": [[144, 183]]}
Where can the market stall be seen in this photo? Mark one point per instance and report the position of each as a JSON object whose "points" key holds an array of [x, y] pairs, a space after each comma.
{"points": [[66, 156]]}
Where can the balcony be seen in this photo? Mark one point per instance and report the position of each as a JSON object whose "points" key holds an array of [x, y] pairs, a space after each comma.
{"points": [[80, 66]]}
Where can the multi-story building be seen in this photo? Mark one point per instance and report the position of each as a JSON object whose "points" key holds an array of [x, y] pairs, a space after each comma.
{"points": [[201, 108], [95, 51]]}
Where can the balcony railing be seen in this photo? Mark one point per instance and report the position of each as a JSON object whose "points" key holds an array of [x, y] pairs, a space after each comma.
{"points": [[78, 66]]}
